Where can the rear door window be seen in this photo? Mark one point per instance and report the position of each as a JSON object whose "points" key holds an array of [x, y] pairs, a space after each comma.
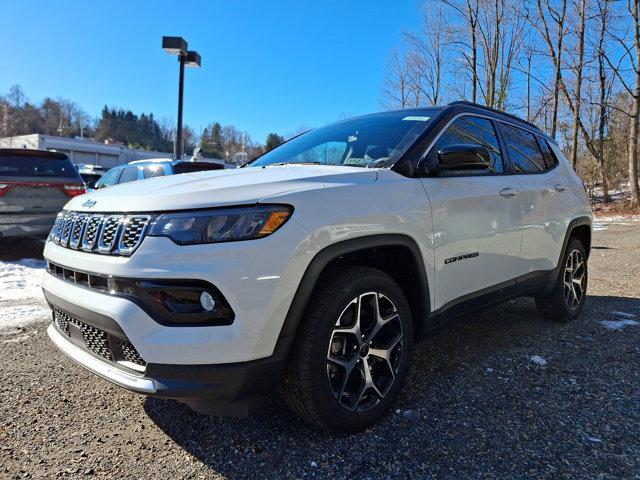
{"points": [[35, 166], [129, 174], [524, 151]]}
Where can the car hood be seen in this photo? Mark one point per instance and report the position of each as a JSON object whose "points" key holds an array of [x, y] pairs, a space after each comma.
{"points": [[217, 188]]}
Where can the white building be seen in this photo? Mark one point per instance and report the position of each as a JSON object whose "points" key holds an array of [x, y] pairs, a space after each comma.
{"points": [[82, 150]]}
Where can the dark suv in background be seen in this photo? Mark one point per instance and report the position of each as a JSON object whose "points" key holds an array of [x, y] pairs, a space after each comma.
{"points": [[34, 186]]}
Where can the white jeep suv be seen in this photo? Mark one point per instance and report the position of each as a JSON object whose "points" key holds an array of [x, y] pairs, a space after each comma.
{"points": [[316, 267]]}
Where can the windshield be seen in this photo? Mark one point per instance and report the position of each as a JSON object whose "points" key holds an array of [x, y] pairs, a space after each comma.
{"points": [[372, 141], [36, 166]]}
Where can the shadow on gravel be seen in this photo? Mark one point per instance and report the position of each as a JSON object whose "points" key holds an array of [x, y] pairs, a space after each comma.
{"points": [[477, 403], [15, 249]]}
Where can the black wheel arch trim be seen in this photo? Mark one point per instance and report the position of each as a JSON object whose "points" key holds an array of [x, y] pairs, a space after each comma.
{"points": [[573, 224], [332, 252]]}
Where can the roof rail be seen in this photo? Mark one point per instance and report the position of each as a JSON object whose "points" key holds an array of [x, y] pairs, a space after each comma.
{"points": [[494, 110]]}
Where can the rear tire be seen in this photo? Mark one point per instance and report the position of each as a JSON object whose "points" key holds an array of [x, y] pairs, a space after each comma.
{"points": [[566, 300], [350, 356]]}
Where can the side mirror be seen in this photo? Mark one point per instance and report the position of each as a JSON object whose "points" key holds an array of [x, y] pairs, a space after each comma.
{"points": [[463, 157]]}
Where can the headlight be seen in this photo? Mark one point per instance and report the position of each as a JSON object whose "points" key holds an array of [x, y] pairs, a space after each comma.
{"points": [[221, 225]]}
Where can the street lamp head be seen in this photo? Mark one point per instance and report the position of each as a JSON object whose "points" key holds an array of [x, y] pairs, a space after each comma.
{"points": [[174, 45], [192, 59]]}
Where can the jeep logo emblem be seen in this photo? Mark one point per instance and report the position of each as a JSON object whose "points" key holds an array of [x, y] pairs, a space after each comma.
{"points": [[89, 203]]}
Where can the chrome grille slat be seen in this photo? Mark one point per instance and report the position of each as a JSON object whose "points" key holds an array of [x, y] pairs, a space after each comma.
{"points": [[135, 227], [77, 230], [66, 228], [111, 228], [109, 234], [54, 236], [92, 232]]}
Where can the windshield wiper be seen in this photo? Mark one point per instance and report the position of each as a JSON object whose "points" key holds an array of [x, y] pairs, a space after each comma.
{"points": [[279, 164]]}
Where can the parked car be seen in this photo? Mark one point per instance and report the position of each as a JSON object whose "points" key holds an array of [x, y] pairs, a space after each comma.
{"points": [[90, 173], [141, 169], [34, 186], [316, 267]]}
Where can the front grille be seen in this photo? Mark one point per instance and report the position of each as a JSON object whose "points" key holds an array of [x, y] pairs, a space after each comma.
{"points": [[129, 353], [110, 347], [99, 233], [96, 340]]}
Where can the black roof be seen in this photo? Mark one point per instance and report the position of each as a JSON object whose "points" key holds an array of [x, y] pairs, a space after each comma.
{"points": [[495, 111], [27, 152]]}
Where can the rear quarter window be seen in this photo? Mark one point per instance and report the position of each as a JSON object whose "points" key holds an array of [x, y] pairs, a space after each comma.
{"points": [[550, 159]]}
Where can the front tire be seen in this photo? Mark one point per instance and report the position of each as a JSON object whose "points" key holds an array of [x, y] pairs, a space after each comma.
{"points": [[566, 300], [350, 356]]}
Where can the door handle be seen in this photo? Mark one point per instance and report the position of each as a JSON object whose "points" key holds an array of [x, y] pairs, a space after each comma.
{"points": [[509, 192], [560, 188]]}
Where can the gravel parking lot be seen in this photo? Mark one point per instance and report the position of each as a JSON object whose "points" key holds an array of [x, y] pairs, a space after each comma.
{"points": [[504, 393]]}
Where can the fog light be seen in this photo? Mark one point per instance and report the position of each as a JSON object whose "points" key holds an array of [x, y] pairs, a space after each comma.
{"points": [[207, 301]]}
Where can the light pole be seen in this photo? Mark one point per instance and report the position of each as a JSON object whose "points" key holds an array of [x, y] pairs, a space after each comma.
{"points": [[178, 46]]}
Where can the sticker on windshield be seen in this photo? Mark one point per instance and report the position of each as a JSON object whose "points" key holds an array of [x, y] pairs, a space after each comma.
{"points": [[417, 119]]}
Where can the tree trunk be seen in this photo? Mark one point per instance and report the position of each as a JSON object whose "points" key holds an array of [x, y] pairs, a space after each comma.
{"points": [[579, 68], [635, 119], [473, 19], [633, 148], [602, 107]]}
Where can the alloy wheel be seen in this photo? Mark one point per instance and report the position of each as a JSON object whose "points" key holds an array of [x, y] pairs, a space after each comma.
{"points": [[365, 350], [574, 279]]}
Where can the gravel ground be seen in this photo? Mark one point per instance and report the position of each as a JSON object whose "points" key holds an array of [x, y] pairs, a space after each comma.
{"points": [[502, 394]]}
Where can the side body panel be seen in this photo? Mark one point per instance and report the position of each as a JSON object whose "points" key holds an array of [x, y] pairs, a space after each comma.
{"points": [[550, 202], [477, 234]]}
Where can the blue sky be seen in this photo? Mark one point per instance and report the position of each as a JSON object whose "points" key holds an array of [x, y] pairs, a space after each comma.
{"points": [[266, 65]]}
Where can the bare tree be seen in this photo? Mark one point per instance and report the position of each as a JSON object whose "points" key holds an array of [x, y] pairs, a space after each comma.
{"points": [[500, 31], [468, 11], [581, 8], [630, 80], [550, 22], [396, 89], [604, 92], [428, 55]]}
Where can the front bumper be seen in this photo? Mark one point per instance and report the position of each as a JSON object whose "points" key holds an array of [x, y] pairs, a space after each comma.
{"points": [[235, 362], [228, 389]]}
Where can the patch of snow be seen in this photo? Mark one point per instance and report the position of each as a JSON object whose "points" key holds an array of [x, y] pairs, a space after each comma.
{"points": [[12, 317], [538, 360], [598, 227], [489, 370], [594, 439], [623, 315], [619, 324], [21, 298], [616, 218], [21, 280]]}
